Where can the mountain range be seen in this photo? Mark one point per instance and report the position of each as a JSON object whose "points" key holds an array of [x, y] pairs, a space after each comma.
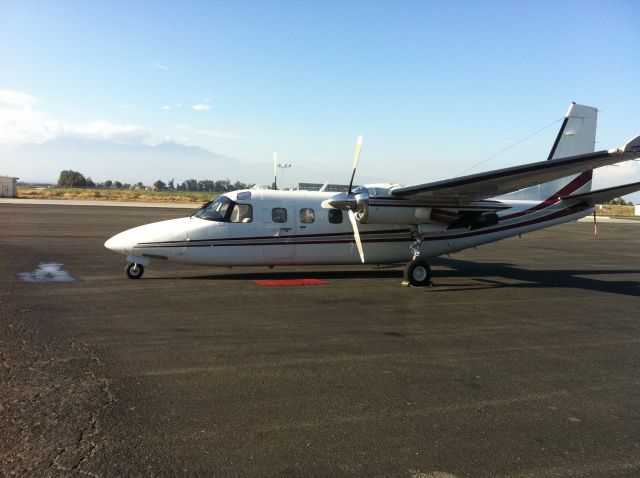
{"points": [[105, 159]]}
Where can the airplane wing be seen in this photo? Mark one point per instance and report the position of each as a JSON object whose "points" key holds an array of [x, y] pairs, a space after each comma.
{"points": [[600, 196], [502, 181]]}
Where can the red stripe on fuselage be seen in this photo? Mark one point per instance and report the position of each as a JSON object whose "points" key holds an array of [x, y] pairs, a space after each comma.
{"points": [[575, 184]]}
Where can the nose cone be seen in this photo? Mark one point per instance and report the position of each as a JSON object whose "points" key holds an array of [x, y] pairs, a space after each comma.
{"points": [[342, 201], [138, 240], [120, 243]]}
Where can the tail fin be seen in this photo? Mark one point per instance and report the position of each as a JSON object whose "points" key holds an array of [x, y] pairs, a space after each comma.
{"points": [[577, 136]]}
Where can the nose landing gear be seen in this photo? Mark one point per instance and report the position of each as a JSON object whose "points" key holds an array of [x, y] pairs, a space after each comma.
{"points": [[134, 271]]}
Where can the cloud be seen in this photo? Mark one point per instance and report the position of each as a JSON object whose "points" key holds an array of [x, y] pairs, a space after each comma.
{"points": [[17, 98], [179, 139], [20, 122], [201, 107], [177, 106], [106, 130], [159, 66], [210, 133]]}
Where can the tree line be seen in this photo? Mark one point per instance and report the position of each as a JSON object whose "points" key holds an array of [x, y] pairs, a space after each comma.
{"points": [[619, 202], [210, 186], [74, 179]]}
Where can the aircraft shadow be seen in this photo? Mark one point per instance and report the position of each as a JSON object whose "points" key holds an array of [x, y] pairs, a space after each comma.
{"points": [[285, 275], [489, 274], [480, 275]]}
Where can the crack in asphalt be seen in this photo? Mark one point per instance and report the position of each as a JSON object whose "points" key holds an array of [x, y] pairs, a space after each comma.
{"points": [[51, 399]]}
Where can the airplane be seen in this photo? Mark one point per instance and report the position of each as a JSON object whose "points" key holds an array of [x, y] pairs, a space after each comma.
{"points": [[387, 223]]}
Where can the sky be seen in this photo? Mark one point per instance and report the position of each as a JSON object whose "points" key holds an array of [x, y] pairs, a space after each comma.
{"points": [[435, 87]]}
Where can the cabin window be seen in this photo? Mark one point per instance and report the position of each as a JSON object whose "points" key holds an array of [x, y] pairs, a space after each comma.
{"points": [[242, 213], [335, 216], [279, 214], [307, 216]]}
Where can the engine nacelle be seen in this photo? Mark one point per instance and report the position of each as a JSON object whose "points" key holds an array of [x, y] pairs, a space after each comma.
{"points": [[376, 205], [394, 214]]}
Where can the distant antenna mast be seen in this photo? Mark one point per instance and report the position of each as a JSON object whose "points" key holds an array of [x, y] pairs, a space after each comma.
{"points": [[275, 170]]}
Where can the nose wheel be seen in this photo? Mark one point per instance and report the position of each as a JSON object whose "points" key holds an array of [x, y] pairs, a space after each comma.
{"points": [[134, 271]]}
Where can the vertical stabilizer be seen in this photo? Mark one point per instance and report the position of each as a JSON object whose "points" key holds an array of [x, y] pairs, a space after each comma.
{"points": [[577, 136]]}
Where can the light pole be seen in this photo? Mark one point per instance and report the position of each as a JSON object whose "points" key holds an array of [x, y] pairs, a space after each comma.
{"points": [[282, 167]]}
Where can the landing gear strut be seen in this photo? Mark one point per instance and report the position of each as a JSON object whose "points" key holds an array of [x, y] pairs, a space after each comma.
{"points": [[418, 272], [134, 271]]}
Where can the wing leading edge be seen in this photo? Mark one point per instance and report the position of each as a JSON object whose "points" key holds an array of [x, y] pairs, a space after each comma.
{"points": [[490, 184]]}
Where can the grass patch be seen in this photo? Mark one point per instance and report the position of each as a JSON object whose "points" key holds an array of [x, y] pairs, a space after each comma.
{"points": [[614, 210], [111, 194]]}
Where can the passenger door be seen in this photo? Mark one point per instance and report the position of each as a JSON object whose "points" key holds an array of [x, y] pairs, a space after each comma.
{"points": [[278, 222], [311, 230]]}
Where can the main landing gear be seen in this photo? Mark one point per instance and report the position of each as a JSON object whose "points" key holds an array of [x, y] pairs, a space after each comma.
{"points": [[134, 271], [418, 272]]}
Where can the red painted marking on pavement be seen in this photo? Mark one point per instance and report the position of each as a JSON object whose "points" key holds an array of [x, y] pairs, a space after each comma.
{"points": [[270, 283]]}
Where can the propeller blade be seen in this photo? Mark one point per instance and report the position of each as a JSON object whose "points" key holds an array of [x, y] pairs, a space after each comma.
{"points": [[356, 233], [356, 158], [324, 186]]}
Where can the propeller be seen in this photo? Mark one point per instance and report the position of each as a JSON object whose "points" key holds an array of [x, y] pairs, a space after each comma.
{"points": [[351, 201], [356, 158]]}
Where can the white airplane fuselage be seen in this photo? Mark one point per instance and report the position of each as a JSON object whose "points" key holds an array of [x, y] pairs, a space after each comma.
{"points": [[384, 223], [292, 228]]}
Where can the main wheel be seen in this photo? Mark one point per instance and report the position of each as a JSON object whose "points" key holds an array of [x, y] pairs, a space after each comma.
{"points": [[134, 271], [418, 273]]}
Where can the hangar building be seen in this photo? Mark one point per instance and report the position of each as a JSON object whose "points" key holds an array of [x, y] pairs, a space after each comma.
{"points": [[8, 187]]}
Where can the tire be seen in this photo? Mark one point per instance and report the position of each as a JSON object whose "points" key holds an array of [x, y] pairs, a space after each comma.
{"points": [[418, 273], [134, 271]]}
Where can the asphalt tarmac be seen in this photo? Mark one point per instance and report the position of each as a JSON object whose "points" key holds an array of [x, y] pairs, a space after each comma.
{"points": [[523, 360]]}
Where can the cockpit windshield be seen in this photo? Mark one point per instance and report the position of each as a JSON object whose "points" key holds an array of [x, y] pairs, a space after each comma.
{"points": [[223, 209]]}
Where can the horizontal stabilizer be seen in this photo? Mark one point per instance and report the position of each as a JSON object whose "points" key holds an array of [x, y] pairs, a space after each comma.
{"points": [[600, 196]]}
